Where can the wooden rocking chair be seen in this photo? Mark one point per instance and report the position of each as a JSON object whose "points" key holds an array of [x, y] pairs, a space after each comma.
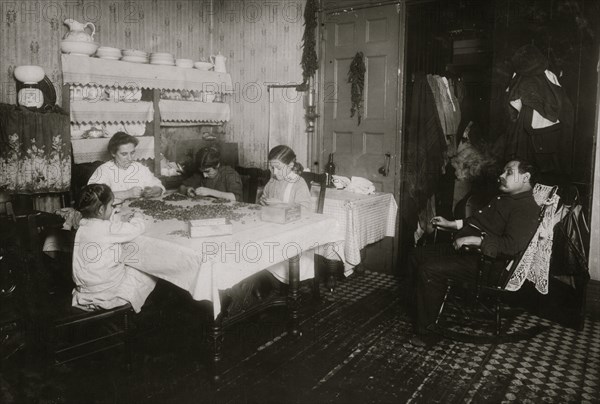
{"points": [[487, 293]]}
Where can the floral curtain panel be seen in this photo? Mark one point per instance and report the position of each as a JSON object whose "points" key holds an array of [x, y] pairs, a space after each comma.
{"points": [[35, 150]]}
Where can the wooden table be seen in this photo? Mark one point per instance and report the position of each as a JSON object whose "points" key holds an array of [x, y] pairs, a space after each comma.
{"points": [[214, 268], [364, 219]]}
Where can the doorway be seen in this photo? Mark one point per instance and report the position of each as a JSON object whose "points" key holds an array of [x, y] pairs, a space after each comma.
{"points": [[369, 149]]}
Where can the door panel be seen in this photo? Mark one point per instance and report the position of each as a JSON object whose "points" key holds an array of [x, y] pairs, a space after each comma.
{"points": [[360, 150]]}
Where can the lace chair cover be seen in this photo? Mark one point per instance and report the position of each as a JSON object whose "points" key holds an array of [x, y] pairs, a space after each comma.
{"points": [[535, 263]]}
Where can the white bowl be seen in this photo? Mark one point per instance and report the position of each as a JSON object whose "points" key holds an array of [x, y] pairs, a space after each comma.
{"points": [[108, 54], [162, 55], [135, 129], [203, 66], [97, 131], [134, 59], [186, 63], [134, 52], [76, 131], [111, 128], [78, 48], [29, 74], [109, 51], [162, 62]]}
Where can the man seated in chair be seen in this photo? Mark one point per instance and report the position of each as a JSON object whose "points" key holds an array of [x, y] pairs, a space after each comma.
{"points": [[501, 229]]}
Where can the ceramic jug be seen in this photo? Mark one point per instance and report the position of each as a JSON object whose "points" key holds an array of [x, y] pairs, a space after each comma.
{"points": [[77, 31], [219, 62]]}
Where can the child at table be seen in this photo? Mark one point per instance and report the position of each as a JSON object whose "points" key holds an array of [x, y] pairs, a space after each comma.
{"points": [[102, 278], [286, 184], [212, 179]]}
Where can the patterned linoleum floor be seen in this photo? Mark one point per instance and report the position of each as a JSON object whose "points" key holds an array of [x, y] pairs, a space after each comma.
{"points": [[557, 365], [354, 349]]}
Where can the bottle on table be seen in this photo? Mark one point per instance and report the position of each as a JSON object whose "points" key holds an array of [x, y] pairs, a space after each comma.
{"points": [[330, 171]]}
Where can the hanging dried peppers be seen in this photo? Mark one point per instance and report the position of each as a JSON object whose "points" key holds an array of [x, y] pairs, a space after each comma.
{"points": [[356, 78], [309, 61]]}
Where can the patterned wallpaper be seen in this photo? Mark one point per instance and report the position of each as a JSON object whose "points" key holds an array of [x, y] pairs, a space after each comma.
{"points": [[260, 38], [262, 42]]}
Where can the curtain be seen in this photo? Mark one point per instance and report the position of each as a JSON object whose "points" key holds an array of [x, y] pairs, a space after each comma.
{"points": [[425, 149], [35, 150], [286, 121]]}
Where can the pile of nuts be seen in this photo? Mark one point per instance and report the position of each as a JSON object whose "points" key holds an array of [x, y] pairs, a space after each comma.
{"points": [[175, 196], [160, 210]]}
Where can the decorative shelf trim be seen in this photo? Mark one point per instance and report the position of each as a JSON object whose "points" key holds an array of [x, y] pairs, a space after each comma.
{"points": [[89, 150], [104, 72], [193, 111], [111, 112]]}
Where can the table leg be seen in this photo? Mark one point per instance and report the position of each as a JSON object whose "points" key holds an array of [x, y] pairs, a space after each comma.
{"points": [[216, 341], [293, 300], [332, 269], [360, 268]]}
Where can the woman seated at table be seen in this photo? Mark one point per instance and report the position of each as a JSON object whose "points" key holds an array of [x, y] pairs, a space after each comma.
{"points": [[126, 178], [212, 179]]}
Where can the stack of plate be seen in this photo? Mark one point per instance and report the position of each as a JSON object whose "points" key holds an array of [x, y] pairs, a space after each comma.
{"points": [[162, 59], [134, 56], [106, 52]]}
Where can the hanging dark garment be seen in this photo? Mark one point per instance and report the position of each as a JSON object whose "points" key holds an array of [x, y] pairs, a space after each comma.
{"points": [[550, 148], [425, 149], [571, 236]]}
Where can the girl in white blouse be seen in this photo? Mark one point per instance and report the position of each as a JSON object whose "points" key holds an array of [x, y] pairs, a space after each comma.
{"points": [[286, 184], [103, 279]]}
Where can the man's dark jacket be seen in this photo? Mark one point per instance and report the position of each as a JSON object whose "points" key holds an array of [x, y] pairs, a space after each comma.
{"points": [[508, 221]]}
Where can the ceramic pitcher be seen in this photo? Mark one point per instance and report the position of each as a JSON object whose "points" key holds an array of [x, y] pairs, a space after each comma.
{"points": [[219, 62], [77, 31]]}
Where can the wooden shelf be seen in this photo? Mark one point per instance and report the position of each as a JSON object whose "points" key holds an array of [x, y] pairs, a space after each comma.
{"points": [[84, 70]]}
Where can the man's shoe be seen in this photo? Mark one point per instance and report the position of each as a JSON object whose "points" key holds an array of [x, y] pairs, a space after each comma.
{"points": [[417, 341], [424, 340]]}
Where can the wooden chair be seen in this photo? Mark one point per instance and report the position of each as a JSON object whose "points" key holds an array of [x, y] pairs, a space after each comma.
{"points": [[317, 179], [332, 266], [69, 333], [252, 178], [488, 291]]}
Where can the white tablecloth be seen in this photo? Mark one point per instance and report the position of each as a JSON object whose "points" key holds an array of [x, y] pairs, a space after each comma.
{"points": [[364, 219], [203, 266]]}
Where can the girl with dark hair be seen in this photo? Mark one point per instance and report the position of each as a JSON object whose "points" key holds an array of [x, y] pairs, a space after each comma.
{"points": [[126, 177], [212, 179], [103, 279], [286, 184]]}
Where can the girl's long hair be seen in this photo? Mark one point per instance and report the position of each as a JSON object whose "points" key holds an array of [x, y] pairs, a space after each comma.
{"points": [[94, 196], [286, 155]]}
